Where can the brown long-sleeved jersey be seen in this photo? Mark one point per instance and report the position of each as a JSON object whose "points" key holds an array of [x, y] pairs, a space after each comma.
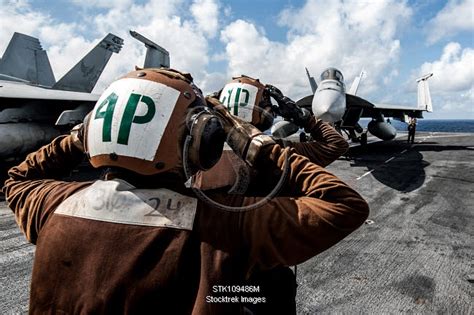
{"points": [[109, 247], [326, 144], [325, 147]]}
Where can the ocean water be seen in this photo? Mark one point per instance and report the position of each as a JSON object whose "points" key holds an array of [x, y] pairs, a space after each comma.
{"points": [[433, 125]]}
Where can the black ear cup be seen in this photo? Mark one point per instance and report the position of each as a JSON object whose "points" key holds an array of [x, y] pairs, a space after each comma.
{"points": [[208, 139], [266, 120], [266, 117]]}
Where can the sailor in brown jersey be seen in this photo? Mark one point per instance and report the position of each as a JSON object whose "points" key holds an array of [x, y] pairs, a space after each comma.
{"points": [[140, 242], [278, 285], [325, 146]]}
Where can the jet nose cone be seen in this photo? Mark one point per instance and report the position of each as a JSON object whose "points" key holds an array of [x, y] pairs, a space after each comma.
{"points": [[328, 117], [329, 105]]}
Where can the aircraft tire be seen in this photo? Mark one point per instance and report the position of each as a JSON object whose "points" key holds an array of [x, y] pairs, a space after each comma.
{"points": [[363, 138]]}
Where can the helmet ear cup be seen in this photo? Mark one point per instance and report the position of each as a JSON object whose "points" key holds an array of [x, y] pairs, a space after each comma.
{"points": [[266, 120], [265, 116], [208, 139]]}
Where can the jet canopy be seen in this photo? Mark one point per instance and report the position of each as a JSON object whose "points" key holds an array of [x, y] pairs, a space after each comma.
{"points": [[332, 74]]}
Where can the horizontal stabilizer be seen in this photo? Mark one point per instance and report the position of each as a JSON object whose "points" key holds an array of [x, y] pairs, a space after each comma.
{"points": [[85, 74], [156, 56], [25, 59]]}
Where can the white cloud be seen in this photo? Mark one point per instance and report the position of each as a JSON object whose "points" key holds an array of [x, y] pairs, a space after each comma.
{"points": [[206, 14], [213, 82], [17, 16], [59, 39], [102, 3], [246, 47], [452, 84], [187, 44], [158, 20], [349, 35], [448, 105], [454, 71], [456, 16]]}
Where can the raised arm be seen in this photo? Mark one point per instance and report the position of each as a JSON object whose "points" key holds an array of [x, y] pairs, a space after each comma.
{"points": [[326, 145], [314, 212], [290, 230], [33, 190]]}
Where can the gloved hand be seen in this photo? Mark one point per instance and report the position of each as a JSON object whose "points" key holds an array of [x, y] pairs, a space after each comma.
{"points": [[78, 133], [244, 139], [287, 108], [215, 95]]}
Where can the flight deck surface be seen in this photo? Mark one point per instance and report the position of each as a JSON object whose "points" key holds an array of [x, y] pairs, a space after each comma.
{"points": [[414, 254]]}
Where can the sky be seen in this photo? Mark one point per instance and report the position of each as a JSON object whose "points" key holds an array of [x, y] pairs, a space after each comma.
{"points": [[393, 42]]}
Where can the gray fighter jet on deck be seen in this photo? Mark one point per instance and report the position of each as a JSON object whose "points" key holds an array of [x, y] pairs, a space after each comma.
{"points": [[34, 107], [32, 102], [331, 103]]}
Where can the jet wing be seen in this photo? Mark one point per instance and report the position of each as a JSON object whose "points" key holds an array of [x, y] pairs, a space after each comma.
{"points": [[306, 102], [351, 101], [18, 90], [357, 106], [395, 107], [399, 112], [356, 101]]}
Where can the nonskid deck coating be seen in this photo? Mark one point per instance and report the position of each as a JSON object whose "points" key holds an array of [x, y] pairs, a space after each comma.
{"points": [[414, 255]]}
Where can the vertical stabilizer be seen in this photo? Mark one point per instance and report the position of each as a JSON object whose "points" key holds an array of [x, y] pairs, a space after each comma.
{"points": [[312, 82], [25, 59], [424, 96], [156, 56], [85, 74], [355, 84]]}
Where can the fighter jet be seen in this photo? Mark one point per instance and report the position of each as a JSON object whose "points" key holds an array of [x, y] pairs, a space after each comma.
{"points": [[34, 107], [331, 103], [32, 101]]}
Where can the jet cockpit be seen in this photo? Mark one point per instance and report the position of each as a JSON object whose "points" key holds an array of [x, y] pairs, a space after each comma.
{"points": [[332, 74]]}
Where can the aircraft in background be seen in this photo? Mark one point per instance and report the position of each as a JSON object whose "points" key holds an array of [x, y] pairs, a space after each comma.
{"points": [[331, 103], [34, 107]]}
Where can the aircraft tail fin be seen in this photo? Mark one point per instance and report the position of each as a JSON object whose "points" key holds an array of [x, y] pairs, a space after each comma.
{"points": [[156, 56], [25, 59], [424, 97], [355, 84], [312, 81], [85, 74]]}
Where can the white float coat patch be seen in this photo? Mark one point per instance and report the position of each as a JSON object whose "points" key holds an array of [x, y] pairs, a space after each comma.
{"points": [[145, 138], [117, 201]]}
